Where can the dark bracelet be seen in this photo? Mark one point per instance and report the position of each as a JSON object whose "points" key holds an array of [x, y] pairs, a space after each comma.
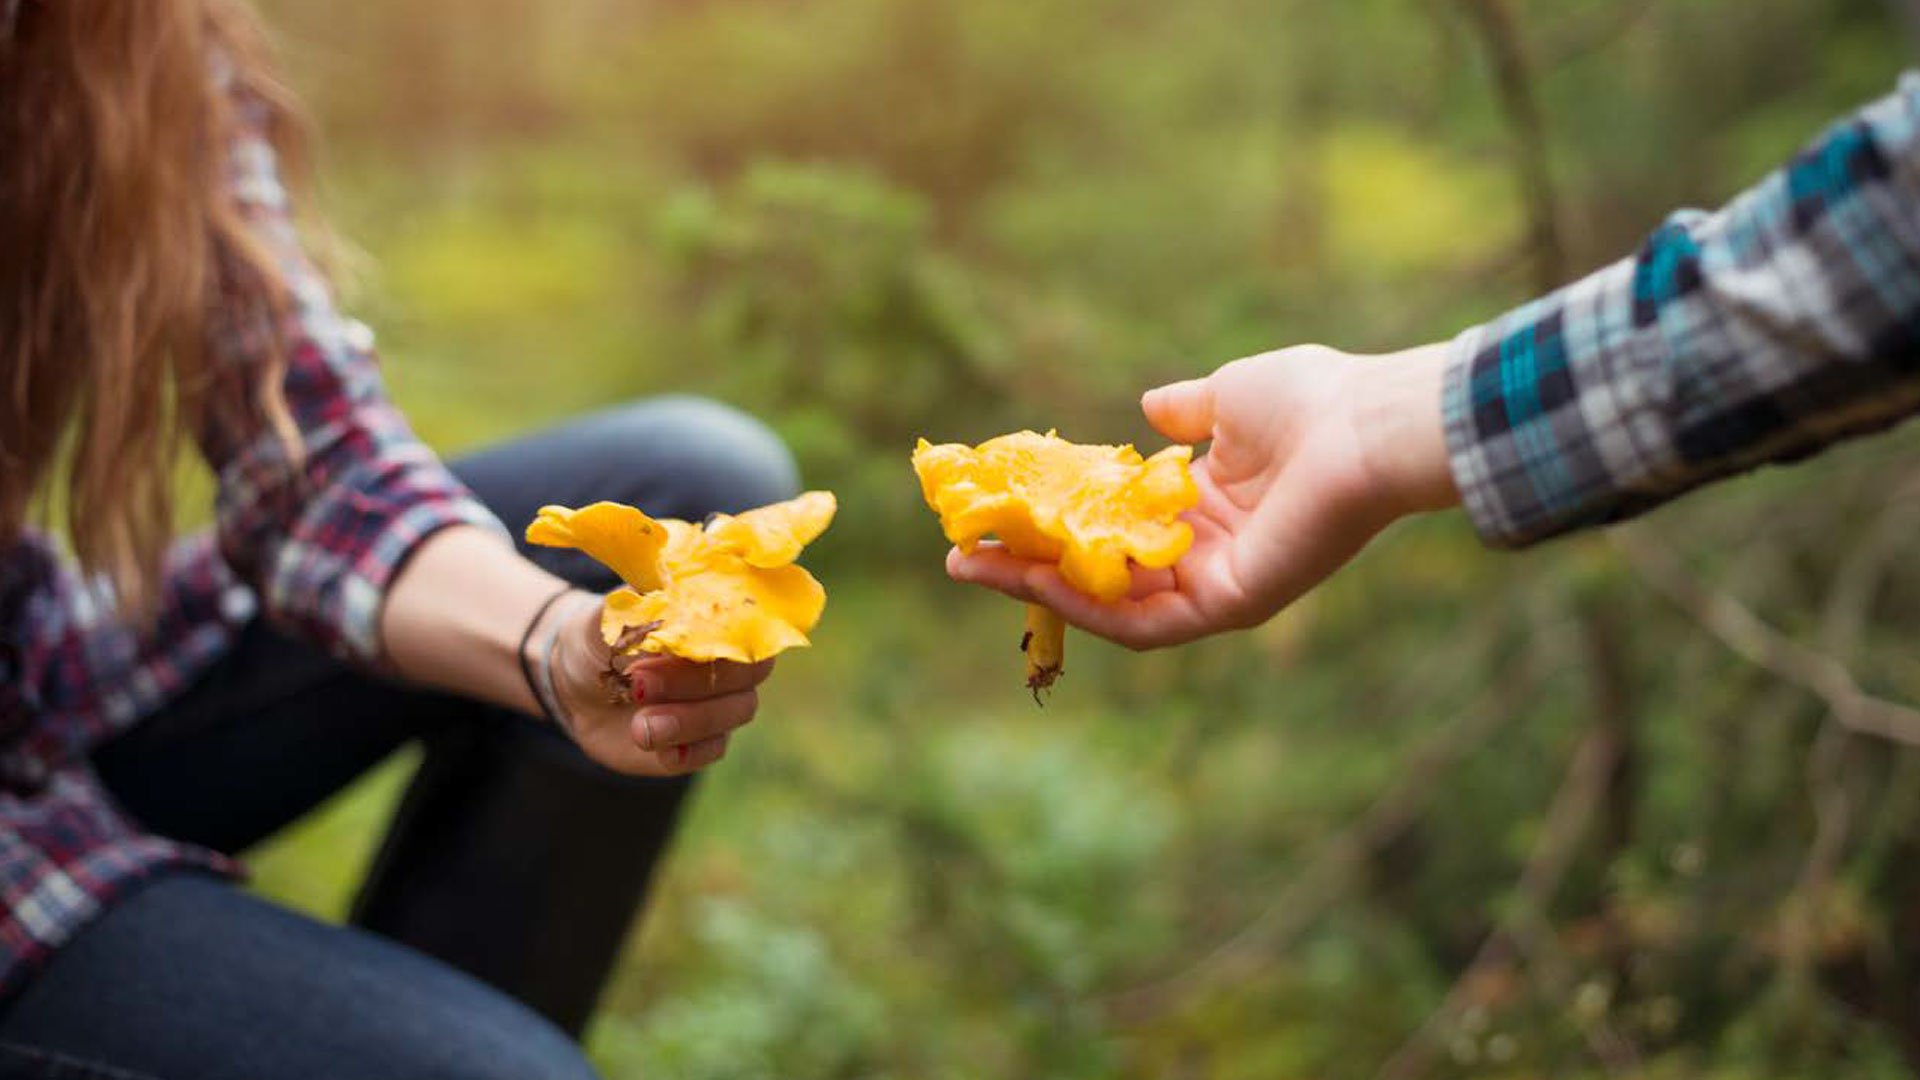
{"points": [[526, 666], [550, 700]]}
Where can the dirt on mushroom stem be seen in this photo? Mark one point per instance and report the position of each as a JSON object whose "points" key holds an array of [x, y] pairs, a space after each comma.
{"points": [[1044, 644]]}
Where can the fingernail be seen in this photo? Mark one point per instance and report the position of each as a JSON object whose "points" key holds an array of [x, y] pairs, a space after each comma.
{"points": [[641, 686], [646, 730], [661, 728], [685, 753]]}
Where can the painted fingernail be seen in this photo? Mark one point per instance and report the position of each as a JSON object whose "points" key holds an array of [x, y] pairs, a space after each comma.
{"points": [[685, 753], [642, 690], [646, 730]]}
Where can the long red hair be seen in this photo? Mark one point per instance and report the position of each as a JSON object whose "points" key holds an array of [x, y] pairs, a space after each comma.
{"points": [[119, 231]]}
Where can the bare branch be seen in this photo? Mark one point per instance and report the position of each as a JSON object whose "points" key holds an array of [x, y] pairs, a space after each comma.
{"points": [[1908, 13], [1332, 867], [1585, 795], [1513, 77], [1526, 931], [1761, 644], [1581, 37], [1830, 784]]}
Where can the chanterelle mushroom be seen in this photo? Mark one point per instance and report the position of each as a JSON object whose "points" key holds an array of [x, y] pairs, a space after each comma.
{"points": [[728, 591], [1092, 510]]}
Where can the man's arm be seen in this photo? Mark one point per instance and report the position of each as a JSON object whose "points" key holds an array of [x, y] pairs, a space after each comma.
{"points": [[1783, 323]]}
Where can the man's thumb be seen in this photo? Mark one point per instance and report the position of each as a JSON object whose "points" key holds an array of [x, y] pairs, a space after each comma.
{"points": [[1181, 411]]}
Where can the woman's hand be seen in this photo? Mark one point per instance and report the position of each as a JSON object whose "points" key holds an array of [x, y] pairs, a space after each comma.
{"points": [[1314, 452], [680, 713]]}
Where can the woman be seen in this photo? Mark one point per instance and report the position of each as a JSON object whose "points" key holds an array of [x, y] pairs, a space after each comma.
{"points": [[164, 705]]}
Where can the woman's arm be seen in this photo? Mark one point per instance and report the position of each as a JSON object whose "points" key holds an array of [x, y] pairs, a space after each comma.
{"points": [[358, 538], [1785, 322], [460, 609]]}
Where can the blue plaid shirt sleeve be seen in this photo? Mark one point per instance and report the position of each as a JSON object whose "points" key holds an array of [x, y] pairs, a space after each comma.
{"points": [[321, 530], [1778, 325]]}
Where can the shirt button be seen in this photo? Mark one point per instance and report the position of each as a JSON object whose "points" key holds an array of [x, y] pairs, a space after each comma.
{"points": [[236, 604], [358, 336]]}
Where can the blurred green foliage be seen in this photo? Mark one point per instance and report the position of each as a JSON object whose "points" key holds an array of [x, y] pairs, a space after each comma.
{"points": [[1267, 856]]}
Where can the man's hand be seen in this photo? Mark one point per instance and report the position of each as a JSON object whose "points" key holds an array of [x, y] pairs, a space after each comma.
{"points": [[1314, 452]]}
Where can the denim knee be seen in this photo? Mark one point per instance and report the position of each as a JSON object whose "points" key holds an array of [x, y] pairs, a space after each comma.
{"points": [[724, 460]]}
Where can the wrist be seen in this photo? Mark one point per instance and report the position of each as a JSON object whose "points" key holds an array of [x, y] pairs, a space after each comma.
{"points": [[561, 654], [1396, 414], [535, 653], [581, 657]]}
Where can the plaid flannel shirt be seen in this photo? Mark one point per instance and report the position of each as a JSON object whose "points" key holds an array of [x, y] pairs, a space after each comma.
{"points": [[312, 541], [1785, 322]]}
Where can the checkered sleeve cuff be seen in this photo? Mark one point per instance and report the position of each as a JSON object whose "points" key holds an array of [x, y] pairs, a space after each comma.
{"points": [[1550, 423]]}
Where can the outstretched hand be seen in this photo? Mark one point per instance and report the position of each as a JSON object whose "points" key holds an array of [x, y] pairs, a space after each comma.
{"points": [[1313, 453]]}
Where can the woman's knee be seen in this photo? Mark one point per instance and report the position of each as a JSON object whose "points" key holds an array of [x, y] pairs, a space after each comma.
{"points": [[522, 1046], [719, 459]]}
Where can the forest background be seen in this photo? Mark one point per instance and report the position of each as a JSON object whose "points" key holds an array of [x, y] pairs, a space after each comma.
{"points": [[1640, 804]]}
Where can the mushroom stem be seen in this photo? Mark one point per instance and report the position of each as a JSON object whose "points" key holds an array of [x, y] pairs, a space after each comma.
{"points": [[1045, 645]]}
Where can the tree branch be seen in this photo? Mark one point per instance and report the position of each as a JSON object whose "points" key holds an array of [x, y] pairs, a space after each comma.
{"points": [[1581, 37], [1760, 644], [1587, 794], [1331, 869], [1526, 931], [1830, 783], [1907, 12], [1513, 78]]}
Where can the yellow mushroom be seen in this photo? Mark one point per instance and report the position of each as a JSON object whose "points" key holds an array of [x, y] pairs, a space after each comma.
{"points": [[1093, 511], [728, 591]]}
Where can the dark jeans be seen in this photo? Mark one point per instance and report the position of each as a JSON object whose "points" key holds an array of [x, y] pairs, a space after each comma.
{"points": [[512, 858]]}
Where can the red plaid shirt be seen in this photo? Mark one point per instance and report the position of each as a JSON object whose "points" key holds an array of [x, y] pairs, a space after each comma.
{"points": [[312, 543]]}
